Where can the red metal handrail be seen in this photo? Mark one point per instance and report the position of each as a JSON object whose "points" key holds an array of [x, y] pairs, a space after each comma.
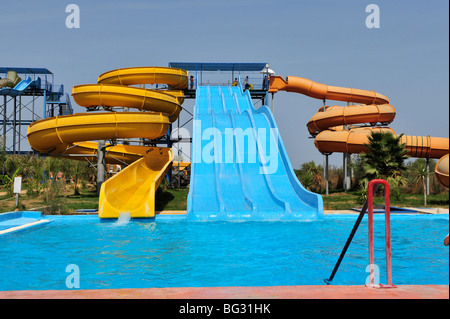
{"points": [[387, 204]]}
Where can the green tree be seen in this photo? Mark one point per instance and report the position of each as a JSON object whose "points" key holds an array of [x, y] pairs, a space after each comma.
{"points": [[421, 173], [2, 159], [53, 192], [310, 175], [385, 157], [78, 170], [34, 173]]}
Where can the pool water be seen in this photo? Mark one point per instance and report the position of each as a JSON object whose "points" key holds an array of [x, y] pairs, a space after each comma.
{"points": [[174, 252]]}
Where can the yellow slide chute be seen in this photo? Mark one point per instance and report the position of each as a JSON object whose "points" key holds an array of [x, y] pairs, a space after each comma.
{"points": [[132, 190]]}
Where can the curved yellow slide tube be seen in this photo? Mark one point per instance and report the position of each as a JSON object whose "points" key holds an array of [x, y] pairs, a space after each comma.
{"points": [[177, 79], [54, 135], [132, 189], [108, 95], [115, 154]]}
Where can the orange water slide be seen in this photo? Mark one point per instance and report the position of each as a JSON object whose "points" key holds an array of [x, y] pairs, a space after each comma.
{"points": [[332, 116], [352, 142], [334, 126], [323, 91]]}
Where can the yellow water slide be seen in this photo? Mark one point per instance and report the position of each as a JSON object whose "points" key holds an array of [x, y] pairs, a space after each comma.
{"points": [[131, 191], [334, 126]]}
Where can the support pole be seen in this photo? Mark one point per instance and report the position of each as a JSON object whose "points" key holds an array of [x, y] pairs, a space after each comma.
{"points": [[45, 96], [273, 103], [345, 158], [428, 176], [100, 165], [344, 164], [179, 152], [352, 170], [32, 108], [326, 174], [14, 125], [4, 122], [20, 124], [347, 172]]}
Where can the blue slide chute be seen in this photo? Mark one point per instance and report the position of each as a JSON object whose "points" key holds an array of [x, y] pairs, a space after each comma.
{"points": [[240, 168]]}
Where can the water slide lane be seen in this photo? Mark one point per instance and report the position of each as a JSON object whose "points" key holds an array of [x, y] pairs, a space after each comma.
{"points": [[245, 178], [327, 124], [202, 188], [7, 87], [132, 189], [22, 85]]}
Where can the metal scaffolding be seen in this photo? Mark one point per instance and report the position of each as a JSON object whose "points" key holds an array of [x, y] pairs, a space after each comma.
{"points": [[35, 97]]}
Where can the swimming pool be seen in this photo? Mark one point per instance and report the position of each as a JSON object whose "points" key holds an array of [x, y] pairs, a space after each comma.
{"points": [[174, 252]]}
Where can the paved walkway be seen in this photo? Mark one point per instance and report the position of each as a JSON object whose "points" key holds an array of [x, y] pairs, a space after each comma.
{"points": [[276, 292]]}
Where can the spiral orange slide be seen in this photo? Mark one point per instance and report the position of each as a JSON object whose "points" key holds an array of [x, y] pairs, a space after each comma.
{"points": [[334, 126]]}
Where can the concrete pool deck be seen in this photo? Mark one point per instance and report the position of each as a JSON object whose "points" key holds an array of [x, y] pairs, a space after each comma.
{"points": [[275, 292]]}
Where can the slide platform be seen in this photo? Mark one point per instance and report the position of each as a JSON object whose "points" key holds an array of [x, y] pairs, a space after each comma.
{"points": [[13, 85], [132, 190], [327, 125], [240, 169]]}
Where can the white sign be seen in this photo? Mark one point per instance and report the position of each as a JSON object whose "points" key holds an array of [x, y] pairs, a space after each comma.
{"points": [[17, 184]]}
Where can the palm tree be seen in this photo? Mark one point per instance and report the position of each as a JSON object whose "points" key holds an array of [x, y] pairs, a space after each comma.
{"points": [[422, 174], [385, 157], [384, 160], [78, 170]]}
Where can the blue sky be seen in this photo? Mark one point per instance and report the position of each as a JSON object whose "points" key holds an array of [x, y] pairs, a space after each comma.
{"points": [[405, 59]]}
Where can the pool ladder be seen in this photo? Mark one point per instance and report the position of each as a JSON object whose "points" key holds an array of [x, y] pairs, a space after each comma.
{"points": [[372, 188], [387, 222]]}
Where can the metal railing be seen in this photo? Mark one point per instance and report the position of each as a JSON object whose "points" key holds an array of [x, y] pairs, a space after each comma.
{"points": [[368, 206], [255, 82], [387, 210]]}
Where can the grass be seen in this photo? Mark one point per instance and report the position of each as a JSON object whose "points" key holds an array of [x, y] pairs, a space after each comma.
{"points": [[88, 199], [176, 199], [166, 200], [342, 201], [171, 199]]}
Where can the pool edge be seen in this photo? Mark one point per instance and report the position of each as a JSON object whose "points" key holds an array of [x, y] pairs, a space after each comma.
{"points": [[271, 292]]}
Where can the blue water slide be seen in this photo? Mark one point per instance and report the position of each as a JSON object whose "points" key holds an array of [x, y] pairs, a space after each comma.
{"points": [[240, 168], [19, 88], [22, 85]]}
